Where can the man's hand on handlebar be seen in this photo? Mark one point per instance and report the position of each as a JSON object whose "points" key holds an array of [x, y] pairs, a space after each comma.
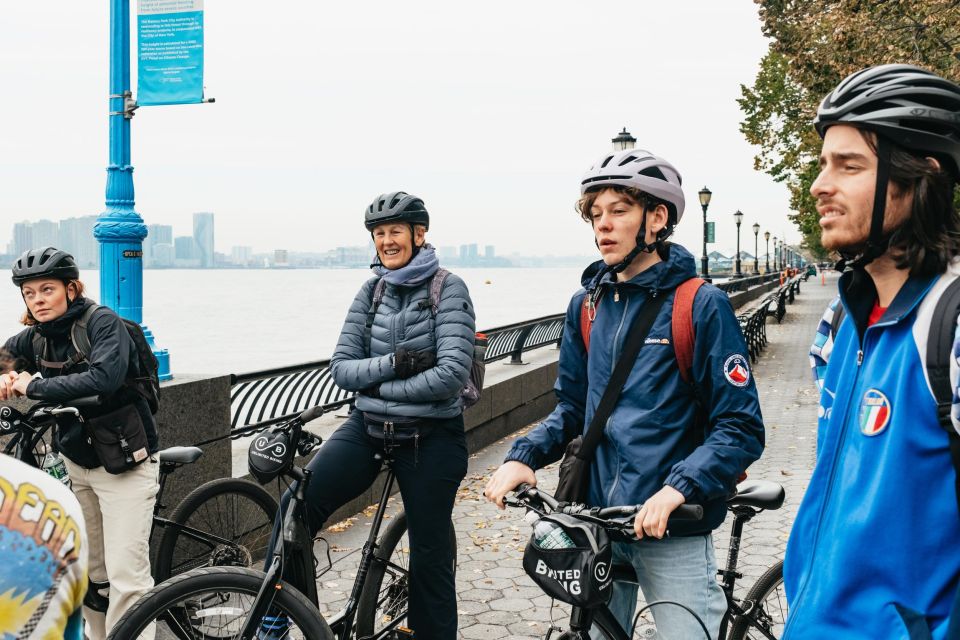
{"points": [[505, 479], [652, 518]]}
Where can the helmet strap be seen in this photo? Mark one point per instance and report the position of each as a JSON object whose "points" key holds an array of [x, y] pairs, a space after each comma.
{"points": [[642, 245], [877, 242]]}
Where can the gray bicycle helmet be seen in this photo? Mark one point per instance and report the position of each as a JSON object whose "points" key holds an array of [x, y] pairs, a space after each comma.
{"points": [[903, 104], [46, 262], [642, 170], [398, 206], [649, 173]]}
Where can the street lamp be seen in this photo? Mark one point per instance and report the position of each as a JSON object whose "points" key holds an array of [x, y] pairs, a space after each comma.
{"points": [[776, 254], [783, 261], [766, 236], [705, 195], [624, 141], [756, 251], [738, 216]]}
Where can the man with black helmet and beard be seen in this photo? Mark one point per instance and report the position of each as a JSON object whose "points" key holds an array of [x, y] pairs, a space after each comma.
{"points": [[873, 550]]}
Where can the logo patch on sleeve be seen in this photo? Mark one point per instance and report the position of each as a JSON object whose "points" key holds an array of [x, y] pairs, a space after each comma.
{"points": [[875, 412], [737, 370]]}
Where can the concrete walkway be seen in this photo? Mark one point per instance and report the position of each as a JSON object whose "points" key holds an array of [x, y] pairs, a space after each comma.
{"points": [[497, 599]]}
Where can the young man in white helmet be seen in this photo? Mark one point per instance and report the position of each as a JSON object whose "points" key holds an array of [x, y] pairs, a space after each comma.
{"points": [[674, 436], [873, 551]]}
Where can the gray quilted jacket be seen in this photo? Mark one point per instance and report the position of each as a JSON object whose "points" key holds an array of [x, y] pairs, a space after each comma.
{"points": [[401, 322]]}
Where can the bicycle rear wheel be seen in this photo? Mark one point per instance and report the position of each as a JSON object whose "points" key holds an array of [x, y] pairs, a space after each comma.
{"points": [[383, 601], [212, 604], [769, 613], [233, 509]]}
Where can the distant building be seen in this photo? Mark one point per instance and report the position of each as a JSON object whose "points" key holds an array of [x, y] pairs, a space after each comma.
{"points": [[241, 256], [203, 238], [157, 234], [46, 233], [280, 258], [163, 255], [351, 257], [185, 251], [489, 252], [22, 238], [469, 252], [447, 253], [76, 236]]}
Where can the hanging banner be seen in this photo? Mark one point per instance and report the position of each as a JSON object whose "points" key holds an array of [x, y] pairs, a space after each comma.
{"points": [[169, 52], [710, 234]]}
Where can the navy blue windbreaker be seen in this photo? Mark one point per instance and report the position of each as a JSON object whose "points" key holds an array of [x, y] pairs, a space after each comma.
{"points": [[653, 437]]}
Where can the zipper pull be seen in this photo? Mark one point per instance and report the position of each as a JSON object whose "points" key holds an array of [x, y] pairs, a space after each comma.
{"points": [[616, 294], [859, 357]]}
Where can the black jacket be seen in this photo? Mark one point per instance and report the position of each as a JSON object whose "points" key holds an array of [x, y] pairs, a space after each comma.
{"points": [[112, 354]]}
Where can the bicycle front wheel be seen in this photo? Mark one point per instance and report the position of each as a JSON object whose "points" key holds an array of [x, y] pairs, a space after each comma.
{"points": [[213, 603], [768, 614], [384, 599], [238, 511]]}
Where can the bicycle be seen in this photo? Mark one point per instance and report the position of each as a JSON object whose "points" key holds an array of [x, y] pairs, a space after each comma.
{"points": [[224, 522], [243, 604], [761, 614]]}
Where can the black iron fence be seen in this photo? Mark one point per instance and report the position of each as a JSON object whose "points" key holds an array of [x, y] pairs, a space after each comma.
{"points": [[262, 398]]}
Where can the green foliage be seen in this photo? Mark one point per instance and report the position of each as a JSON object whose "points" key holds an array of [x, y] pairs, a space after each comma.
{"points": [[815, 44]]}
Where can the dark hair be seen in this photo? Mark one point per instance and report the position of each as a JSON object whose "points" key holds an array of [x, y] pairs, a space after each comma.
{"points": [[28, 318], [930, 238], [642, 198]]}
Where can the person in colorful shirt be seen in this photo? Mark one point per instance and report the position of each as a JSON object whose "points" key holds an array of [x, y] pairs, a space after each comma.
{"points": [[873, 553], [43, 556]]}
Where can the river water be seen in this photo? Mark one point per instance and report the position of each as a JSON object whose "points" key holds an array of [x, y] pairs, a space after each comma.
{"points": [[235, 321]]}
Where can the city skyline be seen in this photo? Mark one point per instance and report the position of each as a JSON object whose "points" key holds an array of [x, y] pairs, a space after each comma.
{"points": [[502, 127]]}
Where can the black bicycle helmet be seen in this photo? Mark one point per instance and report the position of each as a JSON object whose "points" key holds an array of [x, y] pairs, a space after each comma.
{"points": [[46, 262], [903, 104], [398, 206]]}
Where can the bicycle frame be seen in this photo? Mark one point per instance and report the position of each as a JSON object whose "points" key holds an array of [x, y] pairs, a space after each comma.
{"points": [[296, 547]]}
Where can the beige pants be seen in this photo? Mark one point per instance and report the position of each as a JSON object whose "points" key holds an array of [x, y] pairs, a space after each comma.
{"points": [[118, 510]]}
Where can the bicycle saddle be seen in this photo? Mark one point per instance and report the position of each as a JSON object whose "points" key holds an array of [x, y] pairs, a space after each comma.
{"points": [[761, 494], [180, 455]]}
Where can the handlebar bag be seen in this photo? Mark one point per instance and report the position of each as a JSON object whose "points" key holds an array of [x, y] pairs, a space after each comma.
{"points": [[119, 439], [578, 575]]}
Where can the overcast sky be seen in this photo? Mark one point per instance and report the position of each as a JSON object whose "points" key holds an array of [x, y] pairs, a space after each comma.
{"points": [[488, 111]]}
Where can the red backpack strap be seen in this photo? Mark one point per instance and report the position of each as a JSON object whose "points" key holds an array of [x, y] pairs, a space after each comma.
{"points": [[682, 326], [588, 311]]}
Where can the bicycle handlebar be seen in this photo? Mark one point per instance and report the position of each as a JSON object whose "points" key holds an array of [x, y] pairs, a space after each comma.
{"points": [[618, 518]]}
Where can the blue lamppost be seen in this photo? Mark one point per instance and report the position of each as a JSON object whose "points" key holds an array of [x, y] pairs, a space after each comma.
{"points": [[766, 236], [120, 229]]}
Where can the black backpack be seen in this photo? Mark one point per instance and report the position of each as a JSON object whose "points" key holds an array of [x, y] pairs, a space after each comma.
{"points": [[145, 381], [943, 327]]}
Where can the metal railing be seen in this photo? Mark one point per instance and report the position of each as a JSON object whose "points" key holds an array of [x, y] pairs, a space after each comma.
{"points": [[742, 284], [262, 398]]}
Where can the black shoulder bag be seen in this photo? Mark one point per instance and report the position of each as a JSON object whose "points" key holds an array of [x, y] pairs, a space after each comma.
{"points": [[574, 473]]}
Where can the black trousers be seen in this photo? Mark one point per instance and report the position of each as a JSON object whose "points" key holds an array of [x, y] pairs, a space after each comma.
{"points": [[344, 467]]}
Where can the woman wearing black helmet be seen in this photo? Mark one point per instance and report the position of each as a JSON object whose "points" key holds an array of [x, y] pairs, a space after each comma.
{"points": [[56, 313], [868, 556], [407, 348]]}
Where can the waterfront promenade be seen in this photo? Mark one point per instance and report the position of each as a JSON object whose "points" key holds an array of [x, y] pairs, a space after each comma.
{"points": [[497, 599]]}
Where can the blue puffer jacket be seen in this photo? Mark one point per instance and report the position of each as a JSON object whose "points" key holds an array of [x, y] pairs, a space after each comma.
{"points": [[401, 321], [873, 550], [651, 438]]}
